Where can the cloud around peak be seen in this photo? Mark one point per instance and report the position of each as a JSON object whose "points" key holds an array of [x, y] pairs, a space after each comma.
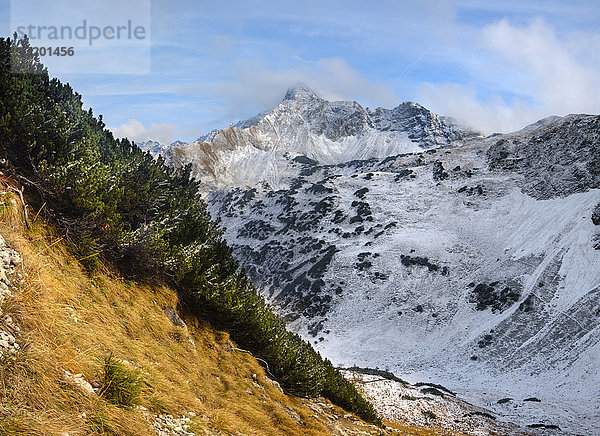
{"points": [[256, 87]]}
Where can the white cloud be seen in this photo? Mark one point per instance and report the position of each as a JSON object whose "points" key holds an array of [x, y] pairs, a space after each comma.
{"points": [[136, 131], [336, 79], [256, 86], [554, 74], [564, 78], [518, 74]]}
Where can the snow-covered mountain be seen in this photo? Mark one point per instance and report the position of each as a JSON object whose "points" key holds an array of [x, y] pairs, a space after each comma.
{"points": [[395, 239], [260, 149]]}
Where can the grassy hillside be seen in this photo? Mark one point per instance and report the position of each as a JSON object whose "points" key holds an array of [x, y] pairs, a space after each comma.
{"points": [[71, 322], [117, 206]]}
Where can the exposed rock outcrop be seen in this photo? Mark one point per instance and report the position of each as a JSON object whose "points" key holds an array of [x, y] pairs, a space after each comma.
{"points": [[557, 159], [9, 275]]}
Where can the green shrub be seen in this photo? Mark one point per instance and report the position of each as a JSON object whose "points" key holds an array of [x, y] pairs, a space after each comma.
{"points": [[432, 391], [120, 385]]}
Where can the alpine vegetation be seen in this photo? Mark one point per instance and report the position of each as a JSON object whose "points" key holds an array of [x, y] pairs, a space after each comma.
{"points": [[118, 206]]}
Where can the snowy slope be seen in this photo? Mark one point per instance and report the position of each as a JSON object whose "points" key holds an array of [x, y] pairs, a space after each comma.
{"points": [[445, 258]]}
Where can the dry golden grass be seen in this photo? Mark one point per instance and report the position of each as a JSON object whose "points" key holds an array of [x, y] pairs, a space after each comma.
{"points": [[72, 322]]}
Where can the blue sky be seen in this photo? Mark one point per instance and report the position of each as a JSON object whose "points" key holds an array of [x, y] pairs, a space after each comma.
{"points": [[496, 65]]}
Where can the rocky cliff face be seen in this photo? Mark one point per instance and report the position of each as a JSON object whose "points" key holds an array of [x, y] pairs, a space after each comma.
{"points": [[427, 251]]}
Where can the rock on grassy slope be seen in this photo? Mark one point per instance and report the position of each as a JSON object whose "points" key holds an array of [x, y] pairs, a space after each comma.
{"points": [[190, 378]]}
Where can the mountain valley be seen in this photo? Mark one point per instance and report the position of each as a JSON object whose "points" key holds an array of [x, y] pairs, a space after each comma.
{"points": [[396, 239]]}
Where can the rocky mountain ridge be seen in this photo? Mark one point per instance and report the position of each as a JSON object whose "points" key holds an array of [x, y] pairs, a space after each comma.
{"points": [[259, 150]]}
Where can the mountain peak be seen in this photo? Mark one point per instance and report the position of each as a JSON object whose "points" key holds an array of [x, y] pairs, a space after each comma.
{"points": [[300, 91]]}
